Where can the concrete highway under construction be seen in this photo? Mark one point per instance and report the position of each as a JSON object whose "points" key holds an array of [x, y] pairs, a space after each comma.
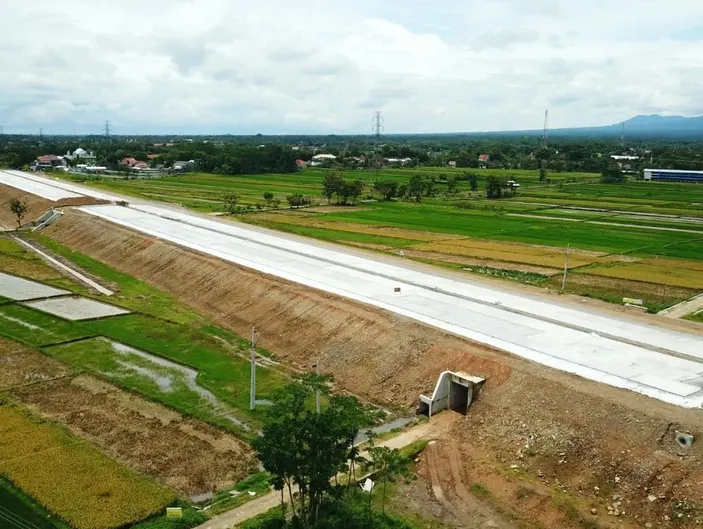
{"points": [[605, 347]]}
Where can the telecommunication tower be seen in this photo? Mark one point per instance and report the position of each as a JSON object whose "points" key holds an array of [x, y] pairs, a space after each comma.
{"points": [[545, 135], [378, 124]]}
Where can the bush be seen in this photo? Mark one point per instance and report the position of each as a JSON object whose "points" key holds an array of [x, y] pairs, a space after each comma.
{"points": [[464, 205], [191, 518]]}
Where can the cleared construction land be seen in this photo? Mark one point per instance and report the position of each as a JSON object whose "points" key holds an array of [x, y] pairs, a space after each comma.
{"points": [[541, 445]]}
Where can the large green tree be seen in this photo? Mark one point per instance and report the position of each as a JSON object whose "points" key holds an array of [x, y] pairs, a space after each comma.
{"points": [[305, 449]]}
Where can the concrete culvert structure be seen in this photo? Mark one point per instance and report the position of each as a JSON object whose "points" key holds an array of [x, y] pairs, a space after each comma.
{"points": [[453, 391]]}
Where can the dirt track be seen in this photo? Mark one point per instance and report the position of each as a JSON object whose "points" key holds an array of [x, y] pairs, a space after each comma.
{"points": [[565, 434]]}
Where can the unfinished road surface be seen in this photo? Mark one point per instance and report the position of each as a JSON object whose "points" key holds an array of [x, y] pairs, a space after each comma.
{"points": [[660, 363]]}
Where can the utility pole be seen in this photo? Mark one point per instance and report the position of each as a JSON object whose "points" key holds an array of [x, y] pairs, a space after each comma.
{"points": [[252, 391], [566, 267], [317, 393]]}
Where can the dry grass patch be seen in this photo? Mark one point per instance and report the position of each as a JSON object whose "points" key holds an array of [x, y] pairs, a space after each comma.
{"points": [[468, 261], [302, 219], [71, 478], [515, 253], [653, 272], [20, 365]]}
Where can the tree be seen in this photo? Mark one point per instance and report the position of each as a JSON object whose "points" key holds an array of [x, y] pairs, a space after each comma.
{"points": [[301, 447], [357, 187], [388, 190], [230, 201], [19, 208], [416, 185], [452, 185], [332, 184], [494, 187], [298, 200], [612, 174], [473, 181], [268, 197], [388, 465], [543, 171], [403, 191]]}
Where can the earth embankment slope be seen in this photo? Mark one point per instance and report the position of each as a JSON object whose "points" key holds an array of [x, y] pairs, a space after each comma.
{"points": [[36, 206], [527, 414]]}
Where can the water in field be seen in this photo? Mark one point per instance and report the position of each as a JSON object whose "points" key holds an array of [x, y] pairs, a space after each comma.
{"points": [[170, 376]]}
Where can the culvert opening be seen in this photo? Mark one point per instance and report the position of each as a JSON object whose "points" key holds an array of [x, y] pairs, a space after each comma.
{"points": [[453, 391]]}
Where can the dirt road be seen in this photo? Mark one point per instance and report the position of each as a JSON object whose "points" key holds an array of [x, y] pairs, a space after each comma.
{"points": [[685, 308]]}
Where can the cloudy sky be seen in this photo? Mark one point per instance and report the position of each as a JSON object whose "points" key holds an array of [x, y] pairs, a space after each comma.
{"points": [[275, 66]]}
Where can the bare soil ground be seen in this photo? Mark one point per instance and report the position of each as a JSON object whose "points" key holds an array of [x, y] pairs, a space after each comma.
{"points": [[185, 454], [36, 206], [565, 435]]}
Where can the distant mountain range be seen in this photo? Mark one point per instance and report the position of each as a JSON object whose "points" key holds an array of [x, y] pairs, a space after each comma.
{"points": [[653, 126]]}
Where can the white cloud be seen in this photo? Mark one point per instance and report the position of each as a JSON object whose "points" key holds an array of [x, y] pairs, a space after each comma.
{"points": [[321, 67]]}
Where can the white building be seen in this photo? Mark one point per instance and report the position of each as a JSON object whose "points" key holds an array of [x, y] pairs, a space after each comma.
{"points": [[82, 155], [624, 157]]}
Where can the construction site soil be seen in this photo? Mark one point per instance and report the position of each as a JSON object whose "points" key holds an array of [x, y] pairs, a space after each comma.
{"points": [[182, 453], [36, 206], [547, 447]]}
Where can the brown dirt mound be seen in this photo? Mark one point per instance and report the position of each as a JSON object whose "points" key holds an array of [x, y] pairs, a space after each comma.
{"points": [[79, 201], [185, 454], [36, 206]]}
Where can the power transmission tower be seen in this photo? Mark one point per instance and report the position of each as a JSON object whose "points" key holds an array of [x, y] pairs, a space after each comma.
{"points": [[545, 136], [107, 130], [41, 134], [378, 125], [252, 391]]}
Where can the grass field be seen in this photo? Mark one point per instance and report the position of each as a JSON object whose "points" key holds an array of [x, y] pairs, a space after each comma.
{"points": [[37, 457], [640, 239]]}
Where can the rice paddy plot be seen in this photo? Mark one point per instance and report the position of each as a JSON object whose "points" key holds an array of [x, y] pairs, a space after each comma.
{"points": [[652, 272], [157, 377], [70, 478], [76, 309], [20, 365], [19, 289], [36, 328]]}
